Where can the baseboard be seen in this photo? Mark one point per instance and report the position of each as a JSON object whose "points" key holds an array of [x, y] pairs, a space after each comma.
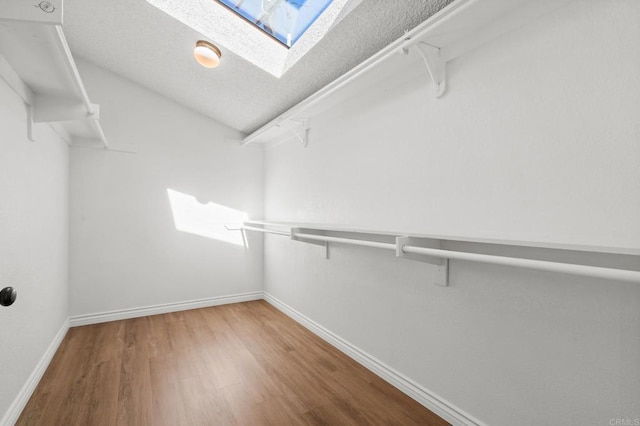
{"points": [[144, 311], [15, 409], [430, 400]]}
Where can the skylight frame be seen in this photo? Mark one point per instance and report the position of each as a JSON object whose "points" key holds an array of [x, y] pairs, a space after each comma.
{"points": [[211, 20]]}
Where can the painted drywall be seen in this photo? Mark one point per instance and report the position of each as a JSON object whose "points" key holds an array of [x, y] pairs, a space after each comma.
{"points": [[34, 219], [536, 139], [128, 244]]}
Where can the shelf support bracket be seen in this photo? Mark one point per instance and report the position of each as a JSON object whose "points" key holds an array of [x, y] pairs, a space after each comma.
{"points": [[441, 264], [303, 136], [436, 66]]}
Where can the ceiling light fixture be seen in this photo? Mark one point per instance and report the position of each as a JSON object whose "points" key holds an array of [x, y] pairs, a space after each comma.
{"points": [[207, 54]]}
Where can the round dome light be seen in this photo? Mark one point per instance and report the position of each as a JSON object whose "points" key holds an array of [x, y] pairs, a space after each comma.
{"points": [[207, 54]]}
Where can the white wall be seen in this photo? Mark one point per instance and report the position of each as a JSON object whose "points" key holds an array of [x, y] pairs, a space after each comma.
{"points": [[125, 249], [536, 139], [34, 222]]}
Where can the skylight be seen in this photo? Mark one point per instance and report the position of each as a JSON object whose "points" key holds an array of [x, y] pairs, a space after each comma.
{"points": [[218, 21], [284, 20]]}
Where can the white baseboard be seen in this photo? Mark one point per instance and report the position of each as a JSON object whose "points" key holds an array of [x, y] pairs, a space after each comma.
{"points": [[144, 311], [15, 409], [430, 400]]}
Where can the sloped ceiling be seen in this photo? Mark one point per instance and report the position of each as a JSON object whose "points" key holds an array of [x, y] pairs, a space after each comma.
{"points": [[140, 42]]}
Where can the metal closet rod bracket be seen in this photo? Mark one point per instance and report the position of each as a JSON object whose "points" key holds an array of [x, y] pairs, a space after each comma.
{"points": [[442, 264], [436, 66]]}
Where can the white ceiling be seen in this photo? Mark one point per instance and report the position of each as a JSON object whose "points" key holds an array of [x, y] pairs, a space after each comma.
{"points": [[138, 41]]}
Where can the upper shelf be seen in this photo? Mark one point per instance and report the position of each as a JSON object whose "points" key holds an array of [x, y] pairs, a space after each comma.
{"points": [[458, 28], [35, 61]]}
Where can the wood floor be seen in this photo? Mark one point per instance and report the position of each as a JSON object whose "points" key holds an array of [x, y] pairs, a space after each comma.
{"points": [[240, 364]]}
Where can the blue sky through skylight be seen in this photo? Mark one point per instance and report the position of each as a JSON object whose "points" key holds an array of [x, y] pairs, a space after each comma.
{"points": [[285, 20]]}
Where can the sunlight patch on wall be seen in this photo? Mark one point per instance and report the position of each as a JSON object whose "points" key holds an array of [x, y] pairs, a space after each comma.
{"points": [[205, 219]]}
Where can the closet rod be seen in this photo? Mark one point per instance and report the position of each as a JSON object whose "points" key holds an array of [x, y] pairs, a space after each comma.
{"points": [[387, 246], [266, 231], [566, 268], [73, 70], [77, 81]]}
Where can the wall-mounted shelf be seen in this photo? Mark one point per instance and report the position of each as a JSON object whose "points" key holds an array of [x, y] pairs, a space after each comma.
{"points": [[458, 28], [611, 263], [35, 61]]}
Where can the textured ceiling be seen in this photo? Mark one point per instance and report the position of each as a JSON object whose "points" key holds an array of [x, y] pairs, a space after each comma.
{"points": [[139, 42]]}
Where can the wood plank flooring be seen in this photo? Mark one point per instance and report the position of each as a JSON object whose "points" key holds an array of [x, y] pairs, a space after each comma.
{"points": [[239, 364]]}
